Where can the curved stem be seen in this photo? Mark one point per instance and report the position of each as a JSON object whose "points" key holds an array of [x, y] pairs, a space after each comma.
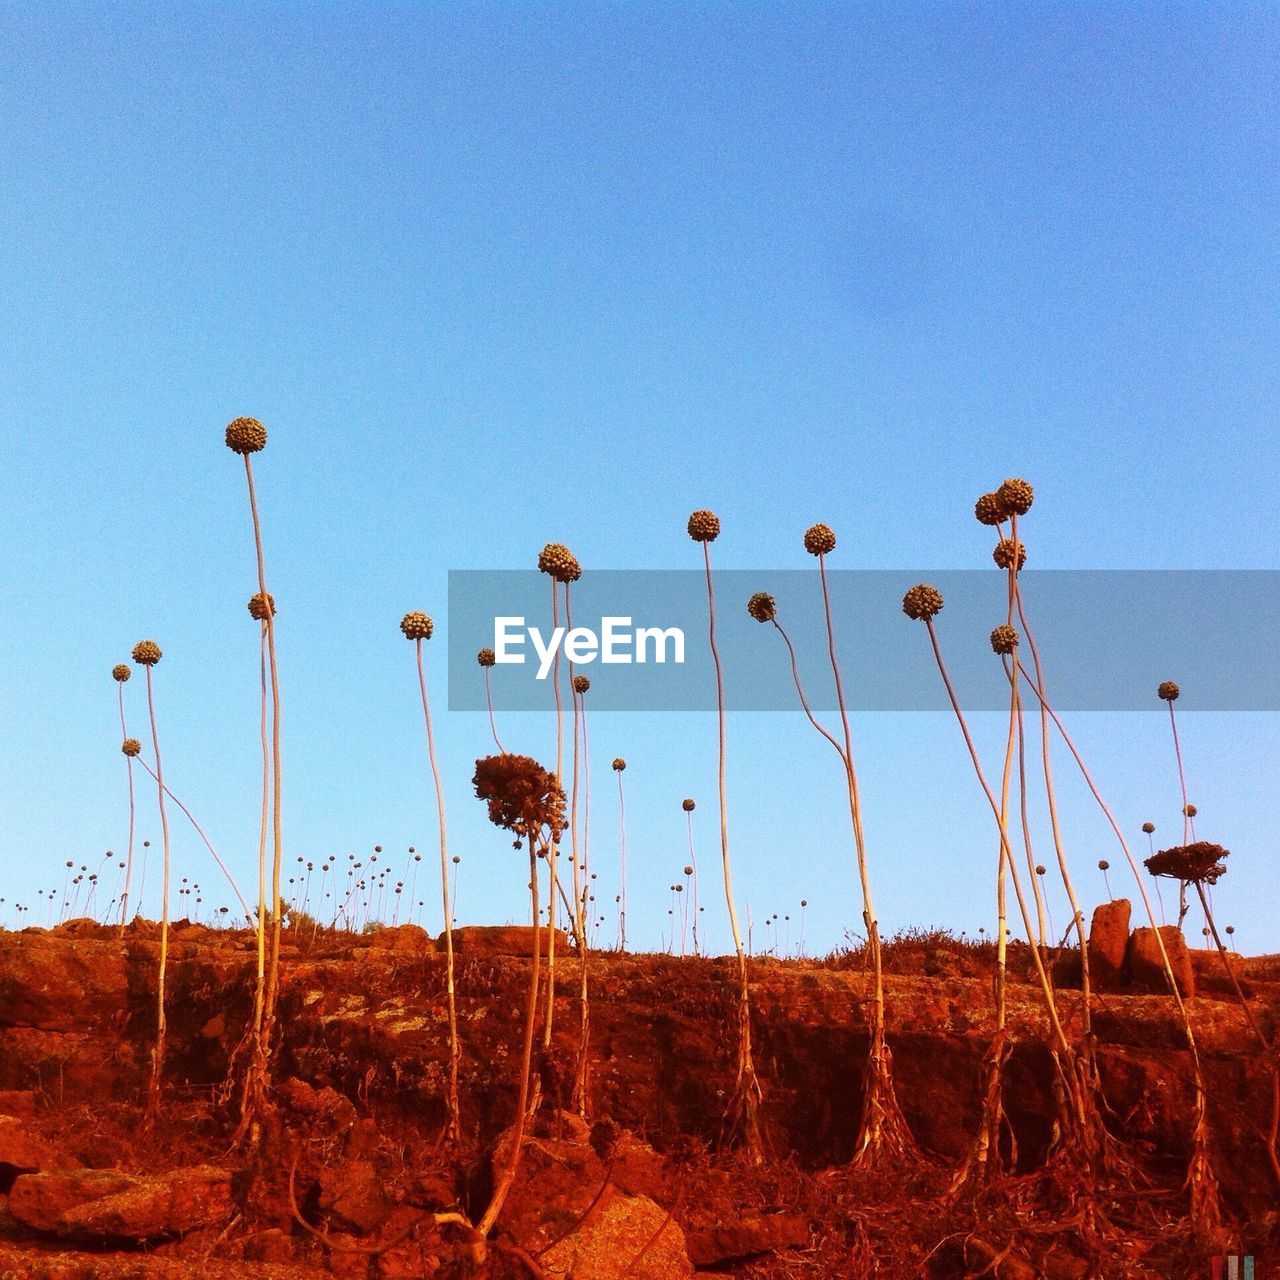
{"points": [[157, 1061], [493, 724], [128, 866]]}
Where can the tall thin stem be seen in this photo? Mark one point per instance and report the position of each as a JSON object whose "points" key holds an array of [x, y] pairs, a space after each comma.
{"points": [[553, 854], [128, 865], [622, 891], [453, 1131], [579, 1098], [746, 1097], [157, 1060], [493, 724]]}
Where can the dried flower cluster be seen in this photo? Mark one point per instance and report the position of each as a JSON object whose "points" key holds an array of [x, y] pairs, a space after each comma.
{"points": [[922, 602], [557, 560], [1198, 863], [417, 626], [704, 526], [486, 657], [146, 653], [520, 794], [1168, 691], [246, 435], [1004, 639], [762, 607], [819, 540], [261, 609], [120, 672]]}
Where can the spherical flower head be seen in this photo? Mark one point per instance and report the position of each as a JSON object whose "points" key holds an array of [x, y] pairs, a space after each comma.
{"points": [[989, 509], [1198, 863], [1004, 639], [1168, 691], [120, 672], [1016, 496], [1231, 928], [521, 795], [922, 602], [762, 607], [688, 871], [819, 540], [246, 435], [1191, 811], [704, 526], [557, 560], [1040, 868], [486, 657], [1103, 865], [1008, 553], [417, 626], [619, 764], [1148, 827], [581, 684], [261, 608], [146, 653], [688, 806], [131, 747]]}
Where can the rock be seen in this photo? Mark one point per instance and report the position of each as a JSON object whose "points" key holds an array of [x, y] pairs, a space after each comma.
{"points": [[400, 937], [116, 1205], [53, 984], [24, 1151], [625, 1235], [18, 1102], [351, 1196], [747, 1238], [319, 1107], [503, 939], [1145, 966], [1108, 941], [272, 1245]]}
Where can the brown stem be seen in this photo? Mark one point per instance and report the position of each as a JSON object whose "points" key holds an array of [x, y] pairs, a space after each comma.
{"points": [[453, 1132], [553, 853], [128, 866], [1182, 782], [622, 895], [508, 1175], [157, 1060], [493, 724]]}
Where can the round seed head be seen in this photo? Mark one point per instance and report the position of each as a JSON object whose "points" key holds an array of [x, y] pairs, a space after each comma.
{"points": [[688, 871], [762, 607], [1006, 551], [1231, 928], [581, 684], [120, 672], [557, 560], [688, 806], [819, 540], [1198, 863], [1040, 868], [131, 747], [989, 509], [922, 602], [1148, 827], [417, 626], [146, 653], [1016, 496], [260, 609], [704, 526], [246, 435], [619, 764], [1168, 691], [1103, 865], [1191, 811], [486, 657], [1004, 639]]}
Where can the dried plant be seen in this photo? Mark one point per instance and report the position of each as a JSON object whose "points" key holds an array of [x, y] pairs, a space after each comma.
{"points": [[146, 653], [120, 673], [692, 870], [704, 527], [620, 767], [524, 798], [247, 436], [417, 627]]}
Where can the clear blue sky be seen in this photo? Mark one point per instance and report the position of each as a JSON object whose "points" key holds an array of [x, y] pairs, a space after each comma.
{"points": [[498, 275]]}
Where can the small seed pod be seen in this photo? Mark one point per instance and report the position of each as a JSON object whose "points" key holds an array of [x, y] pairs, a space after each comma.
{"points": [[260, 610], [688, 871], [486, 657], [1104, 865], [131, 747], [246, 435], [1006, 551], [1148, 827], [146, 653], [619, 764], [120, 672], [1231, 929], [704, 526], [762, 607], [1168, 691], [417, 626], [557, 560], [581, 684], [819, 540], [1040, 868], [1191, 811], [688, 806], [922, 602], [989, 509], [1004, 639], [1016, 496]]}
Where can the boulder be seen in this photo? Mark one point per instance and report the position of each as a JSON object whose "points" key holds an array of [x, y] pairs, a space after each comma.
{"points": [[503, 939], [22, 1150], [1145, 967], [351, 1197], [399, 937], [113, 1205], [747, 1237], [1108, 941]]}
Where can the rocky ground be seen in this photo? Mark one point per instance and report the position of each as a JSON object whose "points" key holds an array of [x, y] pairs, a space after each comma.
{"points": [[350, 1178]]}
